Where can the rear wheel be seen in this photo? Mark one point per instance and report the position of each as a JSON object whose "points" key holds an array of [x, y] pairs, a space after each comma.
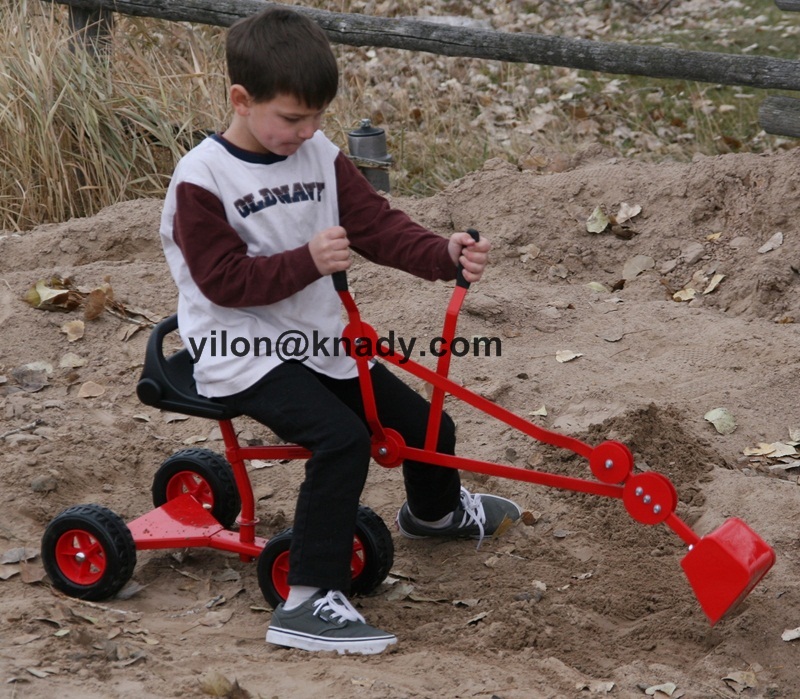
{"points": [[372, 559], [88, 552], [206, 476]]}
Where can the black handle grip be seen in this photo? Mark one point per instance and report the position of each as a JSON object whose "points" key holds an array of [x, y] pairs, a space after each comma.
{"points": [[460, 281], [339, 281]]}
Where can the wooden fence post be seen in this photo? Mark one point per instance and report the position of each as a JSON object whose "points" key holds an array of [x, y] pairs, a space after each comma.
{"points": [[780, 116]]}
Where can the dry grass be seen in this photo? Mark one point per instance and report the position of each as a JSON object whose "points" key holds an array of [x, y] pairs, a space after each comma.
{"points": [[78, 134]]}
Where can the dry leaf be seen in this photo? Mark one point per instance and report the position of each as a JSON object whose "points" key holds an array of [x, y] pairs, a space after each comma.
{"points": [[597, 286], [31, 574], [30, 377], [528, 252], [194, 439], [667, 688], [91, 390], [773, 243], [763, 449], [95, 304], [596, 687], [636, 265], [71, 361], [19, 555], [400, 591], [477, 618], [781, 449], [722, 419], [215, 684], [504, 526], [714, 283], [53, 295], [539, 412], [741, 680], [598, 221], [73, 329], [9, 571], [684, 295], [567, 356], [627, 212], [791, 634], [217, 619], [174, 417]]}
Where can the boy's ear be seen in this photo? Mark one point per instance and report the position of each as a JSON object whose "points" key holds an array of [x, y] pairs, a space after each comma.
{"points": [[240, 100]]}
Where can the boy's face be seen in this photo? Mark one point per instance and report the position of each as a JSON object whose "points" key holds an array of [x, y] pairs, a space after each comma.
{"points": [[278, 126]]}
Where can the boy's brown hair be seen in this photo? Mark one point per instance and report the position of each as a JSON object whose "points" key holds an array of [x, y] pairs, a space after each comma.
{"points": [[279, 51]]}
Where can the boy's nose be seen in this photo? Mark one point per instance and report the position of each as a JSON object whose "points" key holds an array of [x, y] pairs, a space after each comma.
{"points": [[307, 131]]}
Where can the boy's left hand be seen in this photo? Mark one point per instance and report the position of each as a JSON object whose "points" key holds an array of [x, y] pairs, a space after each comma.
{"points": [[472, 256]]}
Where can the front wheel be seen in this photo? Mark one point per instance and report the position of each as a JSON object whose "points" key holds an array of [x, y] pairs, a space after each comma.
{"points": [[372, 559], [88, 552]]}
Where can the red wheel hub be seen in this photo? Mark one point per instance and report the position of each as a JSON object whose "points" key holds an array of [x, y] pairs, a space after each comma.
{"points": [[280, 568], [80, 557], [192, 483]]}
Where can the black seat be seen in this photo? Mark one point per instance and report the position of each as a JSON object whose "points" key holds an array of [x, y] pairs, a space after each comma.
{"points": [[168, 382]]}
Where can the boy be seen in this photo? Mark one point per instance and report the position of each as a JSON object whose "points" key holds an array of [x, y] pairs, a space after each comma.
{"points": [[255, 221]]}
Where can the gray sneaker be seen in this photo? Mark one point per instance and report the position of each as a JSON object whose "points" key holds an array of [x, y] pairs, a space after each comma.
{"points": [[326, 622], [477, 516]]}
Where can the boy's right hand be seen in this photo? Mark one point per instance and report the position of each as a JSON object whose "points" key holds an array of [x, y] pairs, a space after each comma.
{"points": [[330, 250]]}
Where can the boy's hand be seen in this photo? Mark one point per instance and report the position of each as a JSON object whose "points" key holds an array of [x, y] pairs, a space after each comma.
{"points": [[330, 250], [471, 255]]}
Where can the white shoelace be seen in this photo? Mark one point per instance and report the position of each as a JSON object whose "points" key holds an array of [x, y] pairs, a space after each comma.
{"points": [[338, 605], [473, 512]]}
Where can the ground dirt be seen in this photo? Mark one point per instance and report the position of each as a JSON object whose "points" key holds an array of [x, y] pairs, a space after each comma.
{"points": [[580, 601]]}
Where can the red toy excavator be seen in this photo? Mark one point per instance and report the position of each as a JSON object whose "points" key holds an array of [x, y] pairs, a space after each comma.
{"points": [[204, 500]]}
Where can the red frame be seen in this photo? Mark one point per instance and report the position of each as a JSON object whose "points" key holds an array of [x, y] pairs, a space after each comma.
{"points": [[738, 553]]}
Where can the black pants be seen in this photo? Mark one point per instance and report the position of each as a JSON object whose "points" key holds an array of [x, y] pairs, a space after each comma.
{"points": [[326, 416]]}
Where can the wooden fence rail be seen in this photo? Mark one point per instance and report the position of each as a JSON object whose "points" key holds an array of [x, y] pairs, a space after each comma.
{"points": [[761, 72]]}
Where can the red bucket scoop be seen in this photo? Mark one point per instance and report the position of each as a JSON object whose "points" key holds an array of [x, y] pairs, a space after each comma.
{"points": [[725, 565]]}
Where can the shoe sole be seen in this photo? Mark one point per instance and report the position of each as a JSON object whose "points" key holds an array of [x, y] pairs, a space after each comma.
{"points": [[361, 646]]}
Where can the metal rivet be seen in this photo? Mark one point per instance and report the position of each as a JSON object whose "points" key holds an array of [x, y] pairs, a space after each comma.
{"points": [[646, 499], [80, 556], [609, 464], [639, 491], [657, 508], [383, 451]]}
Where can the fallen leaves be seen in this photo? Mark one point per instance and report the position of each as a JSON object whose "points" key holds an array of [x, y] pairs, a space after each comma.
{"points": [[599, 221], [777, 456], [63, 295], [699, 284]]}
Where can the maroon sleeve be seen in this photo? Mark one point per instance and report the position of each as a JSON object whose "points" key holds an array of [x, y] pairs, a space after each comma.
{"points": [[385, 235], [218, 261]]}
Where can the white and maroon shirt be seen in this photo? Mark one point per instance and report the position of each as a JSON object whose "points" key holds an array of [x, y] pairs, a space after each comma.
{"points": [[235, 230]]}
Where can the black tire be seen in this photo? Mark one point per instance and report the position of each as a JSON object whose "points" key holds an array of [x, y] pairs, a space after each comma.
{"points": [[373, 557], [206, 475], [88, 552]]}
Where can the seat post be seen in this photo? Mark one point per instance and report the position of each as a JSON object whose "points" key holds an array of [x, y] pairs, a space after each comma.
{"points": [[247, 519]]}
